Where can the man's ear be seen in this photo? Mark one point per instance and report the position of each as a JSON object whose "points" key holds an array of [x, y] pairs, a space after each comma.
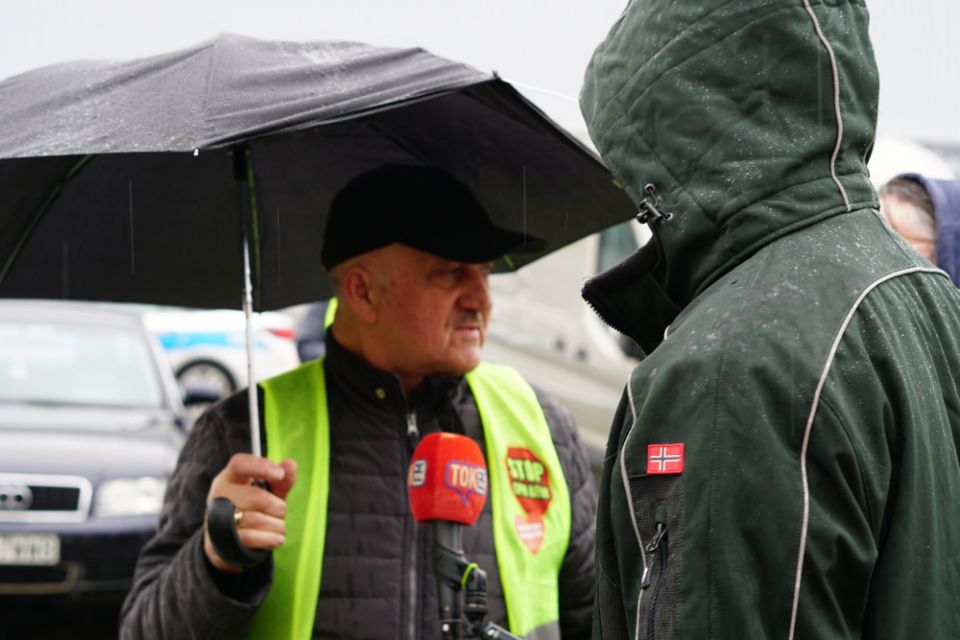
{"points": [[359, 290]]}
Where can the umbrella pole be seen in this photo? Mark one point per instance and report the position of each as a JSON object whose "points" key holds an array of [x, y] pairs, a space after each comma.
{"points": [[220, 512], [251, 378], [221, 523]]}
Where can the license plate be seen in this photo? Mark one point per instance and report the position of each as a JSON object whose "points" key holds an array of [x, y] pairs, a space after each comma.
{"points": [[29, 549]]}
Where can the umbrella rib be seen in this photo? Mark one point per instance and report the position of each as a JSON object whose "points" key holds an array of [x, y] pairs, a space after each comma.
{"points": [[254, 231], [38, 216], [399, 142]]}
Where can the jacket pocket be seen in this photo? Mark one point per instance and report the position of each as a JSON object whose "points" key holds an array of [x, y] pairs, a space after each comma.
{"points": [[611, 616], [657, 508]]}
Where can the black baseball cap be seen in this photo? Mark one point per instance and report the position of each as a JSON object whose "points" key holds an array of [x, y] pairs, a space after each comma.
{"points": [[422, 207]]}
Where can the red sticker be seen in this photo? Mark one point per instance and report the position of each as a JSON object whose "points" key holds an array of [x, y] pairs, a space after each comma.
{"points": [[530, 483], [664, 459]]}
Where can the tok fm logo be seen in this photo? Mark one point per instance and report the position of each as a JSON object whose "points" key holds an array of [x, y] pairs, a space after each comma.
{"points": [[530, 483], [466, 479]]}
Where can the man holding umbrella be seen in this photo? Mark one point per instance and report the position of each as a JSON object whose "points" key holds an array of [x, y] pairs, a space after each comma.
{"points": [[409, 250]]}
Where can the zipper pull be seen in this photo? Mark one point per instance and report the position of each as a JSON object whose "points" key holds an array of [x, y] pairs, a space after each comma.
{"points": [[413, 433], [645, 578], [651, 209], [660, 517], [655, 543]]}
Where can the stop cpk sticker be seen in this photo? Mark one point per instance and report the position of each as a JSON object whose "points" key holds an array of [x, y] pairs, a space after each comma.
{"points": [[530, 483]]}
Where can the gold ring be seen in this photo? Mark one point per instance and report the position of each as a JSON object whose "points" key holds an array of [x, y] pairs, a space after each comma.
{"points": [[237, 517]]}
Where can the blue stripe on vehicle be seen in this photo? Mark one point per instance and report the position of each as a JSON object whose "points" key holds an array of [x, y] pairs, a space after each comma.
{"points": [[180, 340]]}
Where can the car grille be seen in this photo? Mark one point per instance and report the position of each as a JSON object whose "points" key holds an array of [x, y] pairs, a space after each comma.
{"points": [[42, 498]]}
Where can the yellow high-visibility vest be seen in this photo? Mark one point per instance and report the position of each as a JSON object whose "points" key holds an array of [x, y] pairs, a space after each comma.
{"points": [[530, 499]]}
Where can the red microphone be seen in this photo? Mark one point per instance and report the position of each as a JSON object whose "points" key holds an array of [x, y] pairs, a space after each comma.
{"points": [[447, 484], [447, 480]]}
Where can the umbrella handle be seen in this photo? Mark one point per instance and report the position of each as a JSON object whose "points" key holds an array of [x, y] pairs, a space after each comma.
{"points": [[223, 534]]}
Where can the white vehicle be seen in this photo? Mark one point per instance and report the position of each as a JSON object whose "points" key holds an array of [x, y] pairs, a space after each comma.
{"points": [[893, 156], [208, 348]]}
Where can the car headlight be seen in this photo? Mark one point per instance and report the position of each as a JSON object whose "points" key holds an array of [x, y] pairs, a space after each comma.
{"points": [[130, 496]]}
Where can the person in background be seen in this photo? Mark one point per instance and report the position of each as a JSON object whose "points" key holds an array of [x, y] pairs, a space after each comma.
{"points": [[783, 462], [926, 213], [408, 250]]}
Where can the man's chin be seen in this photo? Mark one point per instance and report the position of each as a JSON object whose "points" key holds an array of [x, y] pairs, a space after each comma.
{"points": [[465, 362]]}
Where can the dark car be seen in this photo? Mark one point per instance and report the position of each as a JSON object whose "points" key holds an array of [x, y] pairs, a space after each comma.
{"points": [[91, 422]]}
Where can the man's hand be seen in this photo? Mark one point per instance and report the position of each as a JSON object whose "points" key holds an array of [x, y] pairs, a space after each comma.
{"points": [[261, 525]]}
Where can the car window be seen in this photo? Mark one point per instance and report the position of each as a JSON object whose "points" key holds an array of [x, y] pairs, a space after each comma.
{"points": [[616, 243], [54, 363]]}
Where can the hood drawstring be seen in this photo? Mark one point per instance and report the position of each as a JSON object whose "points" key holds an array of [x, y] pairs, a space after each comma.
{"points": [[652, 212]]}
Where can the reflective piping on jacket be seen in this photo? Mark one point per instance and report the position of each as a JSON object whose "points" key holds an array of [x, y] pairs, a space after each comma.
{"points": [[836, 102], [625, 478], [633, 409], [809, 428]]}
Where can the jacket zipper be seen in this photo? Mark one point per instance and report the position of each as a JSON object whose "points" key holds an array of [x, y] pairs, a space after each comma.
{"points": [[413, 438], [659, 542]]}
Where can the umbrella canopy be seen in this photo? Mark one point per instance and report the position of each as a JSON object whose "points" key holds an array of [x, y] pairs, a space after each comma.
{"points": [[138, 181]]}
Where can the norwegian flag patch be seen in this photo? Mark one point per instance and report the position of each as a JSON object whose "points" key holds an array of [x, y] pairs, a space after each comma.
{"points": [[664, 459]]}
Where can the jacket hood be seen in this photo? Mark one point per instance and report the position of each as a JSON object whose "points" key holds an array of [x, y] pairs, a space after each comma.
{"points": [[749, 119], [945, 195]]}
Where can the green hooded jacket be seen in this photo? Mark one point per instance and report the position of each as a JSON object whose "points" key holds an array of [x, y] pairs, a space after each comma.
{"points": [[784, 461]]}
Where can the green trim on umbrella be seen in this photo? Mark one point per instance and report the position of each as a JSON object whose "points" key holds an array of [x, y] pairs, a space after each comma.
{"points": [[255, 233]]}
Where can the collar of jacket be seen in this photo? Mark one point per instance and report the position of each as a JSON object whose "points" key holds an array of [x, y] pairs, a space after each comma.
{"points": [[629, 298], [362, 382]]}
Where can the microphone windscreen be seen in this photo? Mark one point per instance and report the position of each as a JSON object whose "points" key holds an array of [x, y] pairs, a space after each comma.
{"points": [[447, 479]]}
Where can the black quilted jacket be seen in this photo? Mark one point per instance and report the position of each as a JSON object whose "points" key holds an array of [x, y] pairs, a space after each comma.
{"points": [[377, 573]]}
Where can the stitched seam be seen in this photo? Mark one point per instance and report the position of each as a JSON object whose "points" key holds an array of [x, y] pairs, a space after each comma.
{"points": [[628, 124], [767, 195], [685, 59], [711, 580], [870, 508]]}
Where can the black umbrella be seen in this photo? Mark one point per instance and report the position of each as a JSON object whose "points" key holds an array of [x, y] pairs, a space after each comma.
{"points": [[136, 181], [162, 180]]}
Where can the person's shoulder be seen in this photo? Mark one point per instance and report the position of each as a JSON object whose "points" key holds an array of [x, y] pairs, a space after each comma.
{"points": [[231, 409], [563, 428], [558, 417], [552, 406], [225, 424]]}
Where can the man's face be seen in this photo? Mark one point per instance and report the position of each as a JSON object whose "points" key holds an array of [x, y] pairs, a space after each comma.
{"points": [[914, 225], [434, 312]]}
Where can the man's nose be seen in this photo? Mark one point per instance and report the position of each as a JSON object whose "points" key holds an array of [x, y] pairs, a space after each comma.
{"points": [[476, 294]]}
